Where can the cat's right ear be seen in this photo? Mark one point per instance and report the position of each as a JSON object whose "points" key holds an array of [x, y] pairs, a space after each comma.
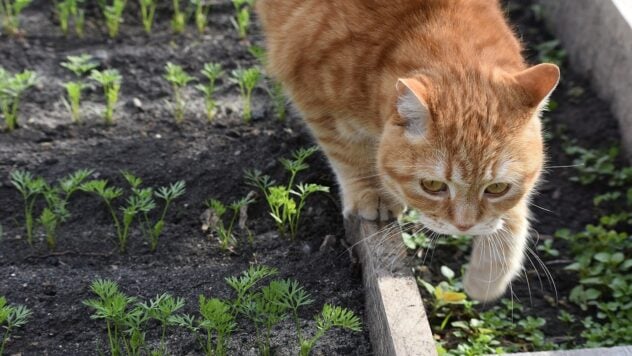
{"points": [[412, 106]]}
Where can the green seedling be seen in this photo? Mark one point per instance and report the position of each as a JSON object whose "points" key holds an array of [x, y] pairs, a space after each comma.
{"points": [[138, 205], [30, 188], [212, 72], [179, 79], [12, 87], [246, 281], [163, 308], [213, 328], [69, 10], [73, 100], [123, 326], [11, 318], [179, 20], [153, 230], [247, 79], [110, 80], [10, 14], [279, 101], [330, 317], [147, 13], [57, 197], [80, 65], [242, 17], [286, 202], [201, 14], [547, 248], [224, 233], [114, 16]]}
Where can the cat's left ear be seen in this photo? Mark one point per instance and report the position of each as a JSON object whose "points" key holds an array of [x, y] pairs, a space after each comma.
{"points": [[411, 104], [539, 82]]}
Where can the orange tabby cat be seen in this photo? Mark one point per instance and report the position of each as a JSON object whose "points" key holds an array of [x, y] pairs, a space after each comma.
{"points": [[421, 103]]}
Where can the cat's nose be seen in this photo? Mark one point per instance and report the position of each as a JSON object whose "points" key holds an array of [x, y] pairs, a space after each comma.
{"points": [[464, 227]]}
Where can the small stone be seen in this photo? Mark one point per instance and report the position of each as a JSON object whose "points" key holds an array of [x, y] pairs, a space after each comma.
{"points": [[137, 104]]}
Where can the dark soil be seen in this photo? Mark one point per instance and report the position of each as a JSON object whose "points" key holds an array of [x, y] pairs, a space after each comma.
{"points": [[209, 157], [559, 203]]}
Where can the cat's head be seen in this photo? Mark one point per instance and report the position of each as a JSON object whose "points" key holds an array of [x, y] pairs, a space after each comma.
{"points": [[465, 148]]}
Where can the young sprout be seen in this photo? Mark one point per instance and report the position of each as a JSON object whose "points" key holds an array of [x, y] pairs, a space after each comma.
{"points": [[30, 188], [242, 17], [67, 10], [163, 308], [80, 65], [330, 317], [11, 318], [243, 284], [279, 101], [201, 14], [11, 89], [212, 71], [10, 14], [247, 79], [167, 195], [179, 20], [284, 208], [114, 16], [111, 306], [110, 80], [57, 198], [147, 12], [179, 80], [225, 234], [259, 53], [214, 327]]}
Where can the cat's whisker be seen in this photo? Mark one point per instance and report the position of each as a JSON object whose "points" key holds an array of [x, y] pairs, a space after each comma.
{"points": [[546, 271], [545, 209], [567, 166], [536, 271], [526, 277]]}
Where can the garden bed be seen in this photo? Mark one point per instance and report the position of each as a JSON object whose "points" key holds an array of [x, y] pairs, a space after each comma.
{"points": [[210, 158]]}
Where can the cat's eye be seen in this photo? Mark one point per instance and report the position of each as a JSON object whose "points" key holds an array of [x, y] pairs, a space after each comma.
{"points": [[434, 186], [497, 189]]}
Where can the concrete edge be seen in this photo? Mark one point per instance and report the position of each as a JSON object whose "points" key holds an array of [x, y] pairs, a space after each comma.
{"points": [[396, 316], [598, 38]]}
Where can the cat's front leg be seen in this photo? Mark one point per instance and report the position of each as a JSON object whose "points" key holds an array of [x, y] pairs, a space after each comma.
{"points": [[351, 154], [497, 258]]}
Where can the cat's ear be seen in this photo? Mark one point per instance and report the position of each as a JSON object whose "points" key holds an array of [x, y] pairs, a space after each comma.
{"points": [[411, 104], [539, 82]]}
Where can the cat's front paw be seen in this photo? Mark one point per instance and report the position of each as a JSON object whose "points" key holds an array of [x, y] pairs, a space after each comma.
{"points": [[483, 286], [369, 205]]}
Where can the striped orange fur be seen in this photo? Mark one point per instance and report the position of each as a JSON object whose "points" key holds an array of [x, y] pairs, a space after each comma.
{"points": [[401, 92]]}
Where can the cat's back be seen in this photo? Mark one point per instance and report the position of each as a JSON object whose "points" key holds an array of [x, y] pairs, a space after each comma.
{"points": [[344, 53]]}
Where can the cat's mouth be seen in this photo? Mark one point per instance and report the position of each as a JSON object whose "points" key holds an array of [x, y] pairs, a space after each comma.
{"points": [[444, 228]]}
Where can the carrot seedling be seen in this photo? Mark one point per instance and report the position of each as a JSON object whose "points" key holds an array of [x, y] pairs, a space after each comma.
{"points": [[286, 202], [212, 72], [110, 80], [68, 10], [167, 195], [242, 17], [179, 20], [30, 188], [179, 79], [330, 317], [225, 234], [247, 79], [162, 309], [10, 14], [12, 87], [11, 318], [201, 14], [114, 16], [279, 102], [213, 328], [55, 213], [80, 66], [147, 14]]}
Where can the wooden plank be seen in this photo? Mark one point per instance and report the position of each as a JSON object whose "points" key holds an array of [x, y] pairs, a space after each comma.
{"points": [[613, 351], [396, 316]]}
